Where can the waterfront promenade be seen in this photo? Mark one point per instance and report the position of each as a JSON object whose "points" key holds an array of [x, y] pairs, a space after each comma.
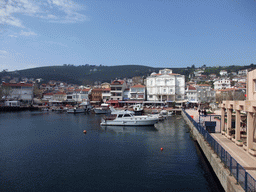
{"points": [[238, 153]]}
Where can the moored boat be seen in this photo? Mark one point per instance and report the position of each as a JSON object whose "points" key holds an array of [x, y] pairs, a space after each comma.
{"points": [[126, 118], [103, 109]]}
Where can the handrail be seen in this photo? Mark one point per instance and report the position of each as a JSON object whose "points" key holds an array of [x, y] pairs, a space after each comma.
{"points": [[242, 177]]}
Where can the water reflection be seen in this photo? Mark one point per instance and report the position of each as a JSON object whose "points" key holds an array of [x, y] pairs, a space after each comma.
{"points": [[128, 129]]}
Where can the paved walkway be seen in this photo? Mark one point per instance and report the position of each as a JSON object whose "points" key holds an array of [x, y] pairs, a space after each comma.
{"points": [[238, 153]]}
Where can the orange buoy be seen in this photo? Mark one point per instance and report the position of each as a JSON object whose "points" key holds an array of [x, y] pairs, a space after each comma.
{"points": [[161, 149], [84, 131]]}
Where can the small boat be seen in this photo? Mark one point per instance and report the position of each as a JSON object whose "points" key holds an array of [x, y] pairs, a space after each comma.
{"points": [[82, 108], [103, 109], [164, 113], [158, 115], [138, 109], [170, 113], [126, 118]]}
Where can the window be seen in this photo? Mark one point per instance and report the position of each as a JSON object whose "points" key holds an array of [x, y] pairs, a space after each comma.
{"points": [[150, 96], [164, 90]]}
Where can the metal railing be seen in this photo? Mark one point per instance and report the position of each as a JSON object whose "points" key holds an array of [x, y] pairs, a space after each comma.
{"points": [[242, 177]]}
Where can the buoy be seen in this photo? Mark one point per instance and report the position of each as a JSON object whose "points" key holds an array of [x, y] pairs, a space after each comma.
{"points": [[161, 149], [84, 131]]}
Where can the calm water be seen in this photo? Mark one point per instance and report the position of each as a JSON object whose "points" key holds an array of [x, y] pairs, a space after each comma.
{"points": [[49, 152]]}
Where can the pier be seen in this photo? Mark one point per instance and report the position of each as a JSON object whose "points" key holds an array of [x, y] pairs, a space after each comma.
{"points": [[234, 167]]}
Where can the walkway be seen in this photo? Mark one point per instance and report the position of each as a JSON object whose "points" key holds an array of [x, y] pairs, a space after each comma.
{"points": [[238, 153]]}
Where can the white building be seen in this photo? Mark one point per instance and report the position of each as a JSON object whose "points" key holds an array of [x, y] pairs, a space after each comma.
{"points": [[223, 73], [222, 84], [165, 86], [191, 93], [80, 95], [106, 94], [18, 91], [138, 92], [243, 72]]}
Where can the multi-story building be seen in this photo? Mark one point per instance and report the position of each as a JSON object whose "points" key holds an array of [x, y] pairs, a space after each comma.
{"points": [[205, 94], [138, 92], [243, 72], [59, 96], [18, 91], [191, 93], [80, 95], [222, 84], [117, 90], [106, 94], [165, 86], [96, 95]]}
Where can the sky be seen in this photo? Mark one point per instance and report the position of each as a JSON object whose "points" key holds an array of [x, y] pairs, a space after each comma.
{"points": [[156, 33]]}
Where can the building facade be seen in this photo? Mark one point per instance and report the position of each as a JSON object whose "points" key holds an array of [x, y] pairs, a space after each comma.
{"points": [[138, 92], [117, 88], [222, 84], [165, 86], [18, 91]]}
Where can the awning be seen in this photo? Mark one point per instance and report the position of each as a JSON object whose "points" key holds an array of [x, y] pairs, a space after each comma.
{"points": [[182, 101], [113, 101], [154, 102]]}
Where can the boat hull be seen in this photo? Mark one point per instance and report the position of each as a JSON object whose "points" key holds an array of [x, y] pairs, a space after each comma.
{"points": [[101, 111], [133, 122]]}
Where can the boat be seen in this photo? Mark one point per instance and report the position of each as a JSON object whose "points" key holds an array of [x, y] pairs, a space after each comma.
{"points": [[126, 118], [103, 109], [170, 113], [82, 108], [164, 113], [138, 109], [158, 115]]}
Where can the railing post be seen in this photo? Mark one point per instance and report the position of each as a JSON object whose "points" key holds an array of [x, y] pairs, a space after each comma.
{"points": [[245, 181], [217, 151], [230, 167], [237, 173]]}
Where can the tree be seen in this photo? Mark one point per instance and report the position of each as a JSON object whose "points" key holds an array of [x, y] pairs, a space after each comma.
{"points": [[5, 91]]}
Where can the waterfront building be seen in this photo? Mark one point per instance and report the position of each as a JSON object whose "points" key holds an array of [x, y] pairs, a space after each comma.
{"points": [[117, 90], [165, 86], [18, 91], [59, 96], [138, 92], [106, 94], [222, 84], [47, 96], [80, 95], [235, 110], [96, 95]]}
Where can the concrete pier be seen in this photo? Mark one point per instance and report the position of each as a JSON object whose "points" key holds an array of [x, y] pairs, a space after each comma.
{"points": [[227, 181]]}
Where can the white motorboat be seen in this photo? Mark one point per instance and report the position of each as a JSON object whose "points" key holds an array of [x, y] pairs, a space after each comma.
{"points": [[126, 118], [103, 109]]}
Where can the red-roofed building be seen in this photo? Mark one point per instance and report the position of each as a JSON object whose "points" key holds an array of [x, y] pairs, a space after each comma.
{"points": [[18, 91], [117, 90], [138, 92], [59, 96]]}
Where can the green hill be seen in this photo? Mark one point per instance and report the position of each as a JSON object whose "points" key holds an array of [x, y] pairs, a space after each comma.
{"points": [[88, 74]]}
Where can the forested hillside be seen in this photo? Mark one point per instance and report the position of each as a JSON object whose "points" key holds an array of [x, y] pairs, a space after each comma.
{"points": [[88, 74]]}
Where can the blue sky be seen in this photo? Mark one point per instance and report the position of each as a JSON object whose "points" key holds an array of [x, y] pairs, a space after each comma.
{"points": [[157, 33]]}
